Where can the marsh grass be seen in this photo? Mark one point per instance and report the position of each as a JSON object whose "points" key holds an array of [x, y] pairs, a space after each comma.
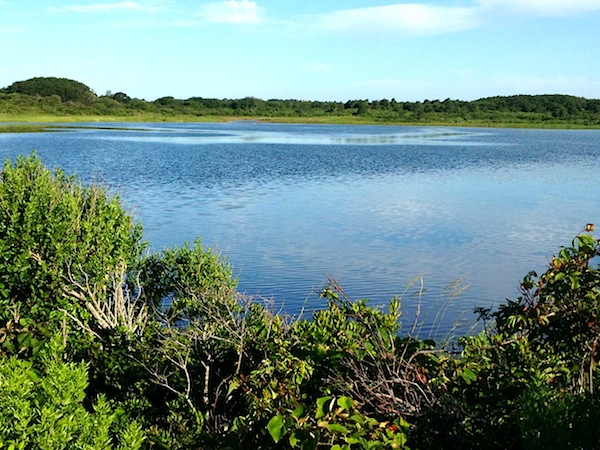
{"points": [[157, 117], [23, 128], [419, 320], [430, 322]]}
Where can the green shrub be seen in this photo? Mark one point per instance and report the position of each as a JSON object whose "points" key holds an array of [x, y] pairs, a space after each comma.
{"points": [[43, 408], [550, 419], [337, 423], [60, 243], [559, 311], [65, 89], [529, 380]]}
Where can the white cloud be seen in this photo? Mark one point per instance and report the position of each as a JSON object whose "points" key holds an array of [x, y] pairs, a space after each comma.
{"points": [[419, 19], [406, 18], [106, 8], [232, 11], [553, 8]]}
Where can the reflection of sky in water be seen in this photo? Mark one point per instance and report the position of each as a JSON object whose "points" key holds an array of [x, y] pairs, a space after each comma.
{"points": [[206, 137], [373, 207]]}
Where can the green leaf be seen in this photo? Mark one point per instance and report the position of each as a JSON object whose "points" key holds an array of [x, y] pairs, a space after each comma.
{"points": [[404, 423], [585, 240], [345, 403], [297, 413], [320, 405], [233, 386], [276, 427], [401, 440], [358, 418], [8, 345], [293, 440], [25, 321], [468, 375], [23, 339], [574, 277], [337, 428], [33, 376]]}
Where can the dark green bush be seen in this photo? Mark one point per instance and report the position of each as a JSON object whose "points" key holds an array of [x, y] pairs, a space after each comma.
{"points": [[67, 90]]}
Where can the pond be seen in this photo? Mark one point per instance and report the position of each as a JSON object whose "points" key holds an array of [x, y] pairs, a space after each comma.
{"points": [[446, 218]]}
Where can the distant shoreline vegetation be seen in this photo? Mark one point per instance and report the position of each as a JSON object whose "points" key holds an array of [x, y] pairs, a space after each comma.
{"points": [[50, 99]]}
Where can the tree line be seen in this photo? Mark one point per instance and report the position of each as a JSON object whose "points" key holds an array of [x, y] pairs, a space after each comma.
{"points": [[61, 96]]}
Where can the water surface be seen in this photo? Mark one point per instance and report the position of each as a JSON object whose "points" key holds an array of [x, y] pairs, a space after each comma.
{"points": [[371, 206]]}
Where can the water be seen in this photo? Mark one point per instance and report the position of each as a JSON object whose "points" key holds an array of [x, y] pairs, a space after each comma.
{"points": [[374, 207]]}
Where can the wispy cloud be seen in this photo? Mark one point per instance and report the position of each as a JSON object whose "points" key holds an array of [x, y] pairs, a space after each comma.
{"points": [[105, 8], [419, 19], [232, 11], [552, 8], [406, 18]]}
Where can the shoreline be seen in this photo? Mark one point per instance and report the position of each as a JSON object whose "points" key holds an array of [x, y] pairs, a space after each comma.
{"points": [[39, 123]]}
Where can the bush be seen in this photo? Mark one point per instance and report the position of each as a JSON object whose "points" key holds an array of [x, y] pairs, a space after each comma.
{"points": [[559, 312], [530, 379], [67, 90], [43, 408], [59, 240]]}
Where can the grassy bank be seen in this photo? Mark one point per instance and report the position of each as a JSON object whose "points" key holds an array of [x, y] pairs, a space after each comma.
{"points": [[14, 123], [60, 100]]}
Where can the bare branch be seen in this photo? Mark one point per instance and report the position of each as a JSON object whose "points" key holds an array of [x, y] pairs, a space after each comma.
{"points": [[110, 311]]}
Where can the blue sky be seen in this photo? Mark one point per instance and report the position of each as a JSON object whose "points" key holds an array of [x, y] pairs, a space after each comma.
{"points": [[307, 49]]}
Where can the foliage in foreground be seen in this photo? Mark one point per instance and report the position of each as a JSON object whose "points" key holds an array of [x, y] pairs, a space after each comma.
{"points": [[43, 408], [105, 346]]}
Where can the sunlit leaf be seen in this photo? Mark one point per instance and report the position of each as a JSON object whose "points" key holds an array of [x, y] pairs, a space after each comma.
{"points": [[337, 428], [276, 427], [345, 403]]}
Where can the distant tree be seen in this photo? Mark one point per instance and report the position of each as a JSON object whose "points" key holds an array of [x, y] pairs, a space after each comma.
{"points": [[384, 103], [249, 103], [121, 97], [67, 90], [449, 106], [362, 108], [350, 104], [418, 109], [593, 106], [167, 101]]}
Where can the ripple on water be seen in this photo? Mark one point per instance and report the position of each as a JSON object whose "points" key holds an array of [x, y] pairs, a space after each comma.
{"points": [[373, 207]]}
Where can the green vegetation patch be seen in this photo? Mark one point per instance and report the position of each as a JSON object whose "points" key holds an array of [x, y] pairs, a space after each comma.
{"points": [[59, 99], [22, 128], [103, 345]]}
